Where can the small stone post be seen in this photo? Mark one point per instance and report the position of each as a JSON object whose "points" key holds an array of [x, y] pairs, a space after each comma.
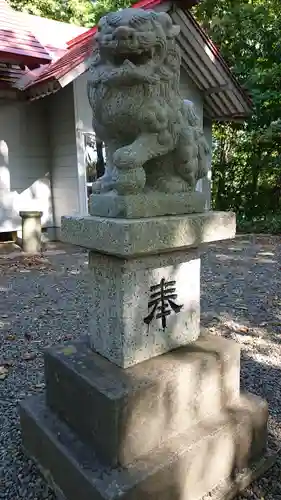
{"points": [[31, 231]]}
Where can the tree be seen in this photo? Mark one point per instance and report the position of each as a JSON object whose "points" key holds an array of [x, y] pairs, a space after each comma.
{"points": [[81, 12], [101, 7], [247, 158], [72, 11]]}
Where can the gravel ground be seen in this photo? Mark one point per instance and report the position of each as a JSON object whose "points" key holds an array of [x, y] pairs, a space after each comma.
{"points": [[44, 301]]}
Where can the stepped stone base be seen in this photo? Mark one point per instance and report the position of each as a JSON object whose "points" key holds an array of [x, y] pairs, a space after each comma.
{"points": [[158, 398], [174, 426], [186, 467]]}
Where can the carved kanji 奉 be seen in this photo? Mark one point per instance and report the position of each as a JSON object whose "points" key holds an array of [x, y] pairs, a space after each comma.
{"points": [[162, 302]]}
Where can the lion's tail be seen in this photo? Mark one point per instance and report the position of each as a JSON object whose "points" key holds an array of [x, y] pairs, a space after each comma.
{"points": [[194, 149]]}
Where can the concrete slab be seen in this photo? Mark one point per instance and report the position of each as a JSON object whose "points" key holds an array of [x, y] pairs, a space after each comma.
{"points": [[133, 237]]}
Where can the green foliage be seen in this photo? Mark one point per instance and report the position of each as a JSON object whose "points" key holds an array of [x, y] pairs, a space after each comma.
{"points": [[270, 224], [247, 157], [101, 7], [80, 12], [71, 11]]}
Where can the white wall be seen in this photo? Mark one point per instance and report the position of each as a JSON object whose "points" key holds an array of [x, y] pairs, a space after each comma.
{"points": [[83, 110], [83, 118], [24, 163], [38, 148], [63, 152]]}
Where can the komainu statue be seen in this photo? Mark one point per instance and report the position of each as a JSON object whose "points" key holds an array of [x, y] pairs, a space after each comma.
{"points": [[154, 139]]}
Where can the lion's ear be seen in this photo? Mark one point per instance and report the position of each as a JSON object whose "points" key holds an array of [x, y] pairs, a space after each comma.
{"points": [[170, 29]]}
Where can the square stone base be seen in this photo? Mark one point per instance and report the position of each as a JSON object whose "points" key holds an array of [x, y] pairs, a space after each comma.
{"points": [[175, 426], [146, 204], [145, 236], [186, 467], [158, 398], [143, 307]]}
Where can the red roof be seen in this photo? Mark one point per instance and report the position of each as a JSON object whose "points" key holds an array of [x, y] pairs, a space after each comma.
{"points": [[17, 43], [53, 35], [28, 42], [69, 61]]}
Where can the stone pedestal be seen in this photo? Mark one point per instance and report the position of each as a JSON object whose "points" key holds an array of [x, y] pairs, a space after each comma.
{"points": [[146, 287], [147, 236], [147, 405], [145, 306], [31, 231]]}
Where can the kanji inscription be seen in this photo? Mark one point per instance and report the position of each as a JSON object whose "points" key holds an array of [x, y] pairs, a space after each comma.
{"points": [[162, 302]]}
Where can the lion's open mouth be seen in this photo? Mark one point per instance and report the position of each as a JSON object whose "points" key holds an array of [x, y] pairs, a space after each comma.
{"points": [[136, 58]]}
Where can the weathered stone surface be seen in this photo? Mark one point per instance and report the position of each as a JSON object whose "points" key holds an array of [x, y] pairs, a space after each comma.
{"points": [[157, 399], [132, 320], [252, 438], [31, 231], [228, 354], [133, 237], [184, 468], [146, 204], [133, 80]]}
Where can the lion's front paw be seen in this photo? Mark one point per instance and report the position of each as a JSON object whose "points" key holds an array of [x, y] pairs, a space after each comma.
{"points": [[125, 158], [102, 185]]}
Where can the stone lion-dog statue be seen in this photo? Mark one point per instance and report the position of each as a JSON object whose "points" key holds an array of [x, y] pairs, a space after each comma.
{"points": [[154, 140]]}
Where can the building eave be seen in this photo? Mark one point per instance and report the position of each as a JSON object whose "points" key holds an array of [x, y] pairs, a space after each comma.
{"points": [[223, 96], [45, 89]]}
